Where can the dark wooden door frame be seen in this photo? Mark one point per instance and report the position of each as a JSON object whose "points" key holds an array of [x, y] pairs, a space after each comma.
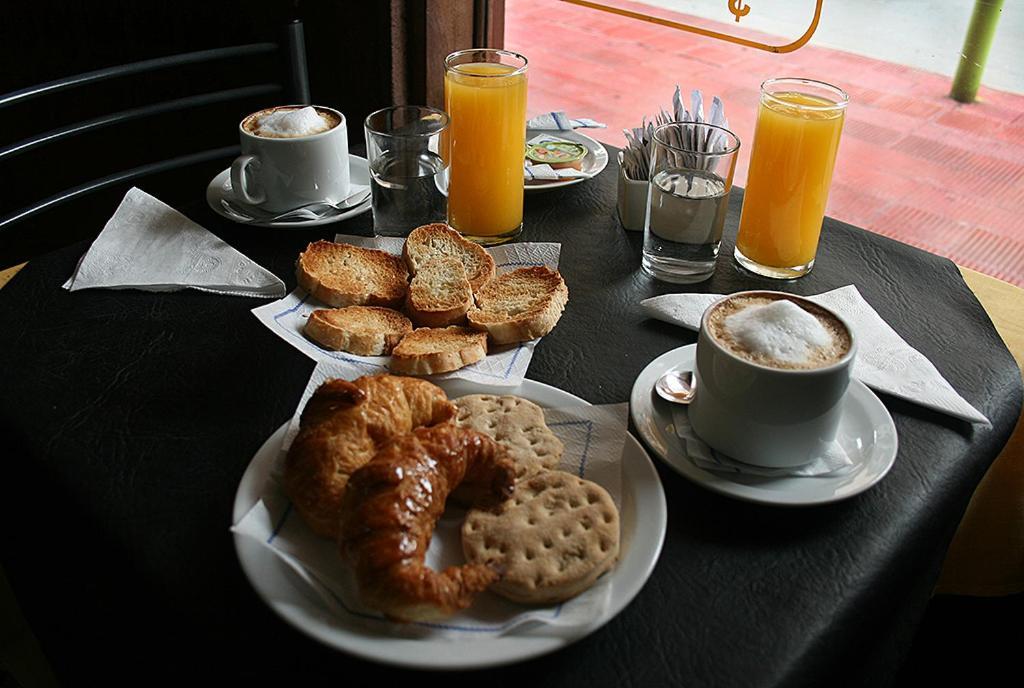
{"points": [[489, 24], [423, 32]]}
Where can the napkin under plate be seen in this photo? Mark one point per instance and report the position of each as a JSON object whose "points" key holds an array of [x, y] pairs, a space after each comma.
{"points": [[149, 245]]}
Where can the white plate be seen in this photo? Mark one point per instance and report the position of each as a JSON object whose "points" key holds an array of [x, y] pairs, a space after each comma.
{"points": [[220, 188], [596, 160], [643, 519], [866, 432]]}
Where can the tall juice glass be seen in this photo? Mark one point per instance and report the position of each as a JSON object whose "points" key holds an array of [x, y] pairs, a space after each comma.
{"points": [[799, 123], [485, 97]]}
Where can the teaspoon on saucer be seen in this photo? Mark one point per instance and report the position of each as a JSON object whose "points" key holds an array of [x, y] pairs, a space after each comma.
{"points": [[676, 386], [312, 211]]}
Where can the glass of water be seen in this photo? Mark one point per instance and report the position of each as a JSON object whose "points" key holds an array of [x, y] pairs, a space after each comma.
{"points": [[691, 172], [406, 147]]}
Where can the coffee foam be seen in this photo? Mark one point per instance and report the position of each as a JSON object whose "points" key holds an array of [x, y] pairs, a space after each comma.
{"points": [[291, 123], [779, 333]]}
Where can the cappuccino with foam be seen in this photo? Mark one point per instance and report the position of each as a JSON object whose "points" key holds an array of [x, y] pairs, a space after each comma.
{"points": [[771, 374], [290, 122], [773, 331], [292, 155]]}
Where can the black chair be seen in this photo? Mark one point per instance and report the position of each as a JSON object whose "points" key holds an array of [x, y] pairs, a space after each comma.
{"points": [[140, 140]]}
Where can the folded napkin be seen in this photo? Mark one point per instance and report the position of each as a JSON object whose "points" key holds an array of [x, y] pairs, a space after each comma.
{"points": [[832, 461], [593, 437], [149, 245], [560, 122], [542, 172], [884, 362], [504, 366]]}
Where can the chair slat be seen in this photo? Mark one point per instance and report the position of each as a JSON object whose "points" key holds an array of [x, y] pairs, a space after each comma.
{"points": [[295, 54], [120, 177], [138, 113], [135, 68]]}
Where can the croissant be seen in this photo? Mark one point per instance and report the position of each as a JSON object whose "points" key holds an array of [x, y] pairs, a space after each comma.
{"points": [[342, 427], [390, 509]]}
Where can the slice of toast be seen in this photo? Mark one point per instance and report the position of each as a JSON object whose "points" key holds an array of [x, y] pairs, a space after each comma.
{"points": [[361, 330], [439, 294], [428, 351], [438, 239], [346, 275], [520, 305]]}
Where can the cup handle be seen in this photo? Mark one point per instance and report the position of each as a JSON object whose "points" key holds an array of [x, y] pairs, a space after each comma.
{"points": [[238, 180]]}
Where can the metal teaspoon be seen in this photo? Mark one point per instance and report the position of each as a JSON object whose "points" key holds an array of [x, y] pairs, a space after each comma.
{"points": [[676, 386]]}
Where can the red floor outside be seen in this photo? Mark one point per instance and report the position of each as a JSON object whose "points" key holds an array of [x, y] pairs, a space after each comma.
{"points": [[913, 164]]}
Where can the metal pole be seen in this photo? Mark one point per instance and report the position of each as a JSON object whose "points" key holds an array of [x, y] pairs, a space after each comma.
{"points": [[976, 46]]}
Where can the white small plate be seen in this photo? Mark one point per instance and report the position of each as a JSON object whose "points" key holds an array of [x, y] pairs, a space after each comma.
{"points": [[643, 521], [596, 160], [220, 188], [866, 432]]}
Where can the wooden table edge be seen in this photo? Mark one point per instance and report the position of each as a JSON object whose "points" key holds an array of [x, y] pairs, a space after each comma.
{"points": [[7, 273]]}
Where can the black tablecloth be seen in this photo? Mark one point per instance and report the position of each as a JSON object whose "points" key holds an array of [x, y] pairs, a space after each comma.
{"points": [[128, 418]]}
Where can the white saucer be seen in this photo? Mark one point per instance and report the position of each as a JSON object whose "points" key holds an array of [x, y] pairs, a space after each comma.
{"points": [[596, 160], [866, 432], [220, 188]]}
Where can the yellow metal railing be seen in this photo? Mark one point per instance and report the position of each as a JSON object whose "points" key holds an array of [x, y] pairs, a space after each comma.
{"points": [[736, 7]]}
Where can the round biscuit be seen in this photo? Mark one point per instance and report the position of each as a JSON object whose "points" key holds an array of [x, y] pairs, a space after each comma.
{"points": [[515, 423], [551, 541]]}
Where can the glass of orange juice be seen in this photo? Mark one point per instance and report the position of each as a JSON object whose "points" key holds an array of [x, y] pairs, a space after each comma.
{"points": [[485, 97], [799, 123]]}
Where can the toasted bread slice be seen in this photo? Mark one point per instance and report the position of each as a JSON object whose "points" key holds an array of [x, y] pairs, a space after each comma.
{"points": [[428, 351], [439, 294], [438, 239], [346, 275], [520, 305], [361, 330]]}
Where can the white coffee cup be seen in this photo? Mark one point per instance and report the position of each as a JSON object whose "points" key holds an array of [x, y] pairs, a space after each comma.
{"points": [[763, 413], [278, 171]]}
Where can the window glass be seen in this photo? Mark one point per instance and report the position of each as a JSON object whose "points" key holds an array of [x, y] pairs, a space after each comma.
{"points": [[913, 163]]}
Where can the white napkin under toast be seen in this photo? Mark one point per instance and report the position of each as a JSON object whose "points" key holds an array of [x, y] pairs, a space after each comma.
{"points": [[149, 245], [884, 362], [504, 366]]}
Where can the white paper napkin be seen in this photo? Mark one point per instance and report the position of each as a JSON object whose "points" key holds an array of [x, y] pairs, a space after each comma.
{"points": [[543, 172], [832, 461], [594, 437], [558, 121], [503, 366], [149, 245], [884, 362]]}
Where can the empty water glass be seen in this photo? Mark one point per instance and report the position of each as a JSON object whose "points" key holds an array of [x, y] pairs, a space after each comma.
{"points": [[406, 148], [691, 174]]}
